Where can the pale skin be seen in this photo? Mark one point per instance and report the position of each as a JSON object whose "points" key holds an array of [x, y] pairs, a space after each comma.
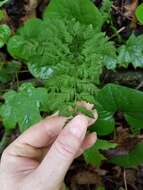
{"points": [[40, 158]]}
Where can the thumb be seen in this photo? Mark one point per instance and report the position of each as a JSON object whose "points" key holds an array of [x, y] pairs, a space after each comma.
{"points": [[63, 152]]}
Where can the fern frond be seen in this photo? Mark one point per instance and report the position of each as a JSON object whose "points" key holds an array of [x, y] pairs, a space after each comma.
{"points": [[68, 54]]}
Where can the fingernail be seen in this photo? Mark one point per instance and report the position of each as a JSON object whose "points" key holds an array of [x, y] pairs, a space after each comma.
{"points": [[91, 121], [94, 137], [95, 114]]}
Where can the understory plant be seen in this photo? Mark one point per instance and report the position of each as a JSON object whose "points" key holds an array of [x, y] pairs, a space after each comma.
{"points": [[68, 51]]}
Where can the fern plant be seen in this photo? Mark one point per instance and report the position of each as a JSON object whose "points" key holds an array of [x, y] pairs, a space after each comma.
{"points": [[67, 53], [54, 45]]}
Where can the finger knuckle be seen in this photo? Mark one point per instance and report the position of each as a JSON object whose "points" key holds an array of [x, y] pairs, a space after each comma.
{"points": [[65, 149]]}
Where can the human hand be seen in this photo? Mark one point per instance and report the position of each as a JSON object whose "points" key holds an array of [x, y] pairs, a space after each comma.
{"points": [[40, 157]]}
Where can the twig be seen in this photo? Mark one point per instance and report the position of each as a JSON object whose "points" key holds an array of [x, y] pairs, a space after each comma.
{"points": [[17, 80], [125, 180], [118, 32], [140, 85], [115, 8]]}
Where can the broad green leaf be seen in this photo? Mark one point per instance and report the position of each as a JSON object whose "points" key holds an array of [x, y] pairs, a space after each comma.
{"points": [[104, 145], [113, 98], [83, 10], [131, 52], [5, 32], [132, 159], [93, 155], [139, 13], [105, 123], [23, 107], [110, 62]]}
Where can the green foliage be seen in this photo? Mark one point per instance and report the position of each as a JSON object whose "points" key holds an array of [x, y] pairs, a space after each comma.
{"points": [[86, 13], [69, 54], [8, 71], [100, 188], [2, 2], [64, 42], [131, 52], [5, 33], [113, 98], [23, 107], [65, 90], [61, 46], [93, 155], [131, 159], [82, 10], [106, 9], [139, 13]]}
